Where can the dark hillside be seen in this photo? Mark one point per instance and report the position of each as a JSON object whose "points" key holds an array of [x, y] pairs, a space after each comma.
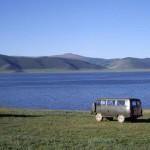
{"points": [[70, 62], [8, 63], [128, 63]]}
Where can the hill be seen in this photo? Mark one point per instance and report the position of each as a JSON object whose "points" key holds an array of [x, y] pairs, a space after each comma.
{"points": [[128, 63], [17, 64], [68, 62], [82, 58]]}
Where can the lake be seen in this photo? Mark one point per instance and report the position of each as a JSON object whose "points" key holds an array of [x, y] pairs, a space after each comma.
{"points": [[71, 91]]}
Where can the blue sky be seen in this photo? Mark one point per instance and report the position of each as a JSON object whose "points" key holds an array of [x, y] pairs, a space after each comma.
{"points": [[94, 28]]}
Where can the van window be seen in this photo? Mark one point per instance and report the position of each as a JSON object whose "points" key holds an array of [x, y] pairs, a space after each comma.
{"points": [[103, 102], [138, 103], [110, 102], [120, 103], [133, 103]]}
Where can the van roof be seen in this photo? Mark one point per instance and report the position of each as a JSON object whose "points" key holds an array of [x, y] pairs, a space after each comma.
{"points": [[117, 99]]}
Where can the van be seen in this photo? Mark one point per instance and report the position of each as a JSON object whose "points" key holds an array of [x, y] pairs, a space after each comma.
{"points": [[120, 108]]}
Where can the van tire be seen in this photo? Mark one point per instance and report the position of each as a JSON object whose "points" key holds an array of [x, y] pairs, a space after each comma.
{"points": [[99, 117], [121, 118]]}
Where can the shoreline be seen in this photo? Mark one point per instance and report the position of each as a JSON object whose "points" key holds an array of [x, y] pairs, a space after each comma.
{"points": [[38, 71]]}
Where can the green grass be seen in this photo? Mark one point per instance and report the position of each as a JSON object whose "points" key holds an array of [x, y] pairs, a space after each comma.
{"points": [[41, 130]]}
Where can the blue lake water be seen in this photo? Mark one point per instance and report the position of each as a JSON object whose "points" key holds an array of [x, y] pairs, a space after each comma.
{"points": [[71, 91]]}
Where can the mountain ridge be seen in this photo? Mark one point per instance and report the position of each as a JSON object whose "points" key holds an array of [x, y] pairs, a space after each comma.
{"points": [[114, 63], [19, 64], [70, 62]]}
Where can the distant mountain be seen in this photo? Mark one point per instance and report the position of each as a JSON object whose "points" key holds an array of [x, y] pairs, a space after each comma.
{"points": [[79, 57], [72, 56], [17, 64], [70, 62], [128, 63], [97, 61]]}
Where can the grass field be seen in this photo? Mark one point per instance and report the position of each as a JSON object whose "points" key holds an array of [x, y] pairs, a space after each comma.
{"points": [[42, 130]]}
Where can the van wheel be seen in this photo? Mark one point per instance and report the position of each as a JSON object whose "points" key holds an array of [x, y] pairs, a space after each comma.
{"points": [[99, 117], [121, 118]]}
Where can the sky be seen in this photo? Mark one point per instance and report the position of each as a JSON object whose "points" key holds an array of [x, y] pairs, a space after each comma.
{"points": [[93, 28]]}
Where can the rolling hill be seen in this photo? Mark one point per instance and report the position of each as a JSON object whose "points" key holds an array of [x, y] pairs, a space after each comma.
{"points": [[19, 64], [98, 61], [68, 62], [128, 63]]}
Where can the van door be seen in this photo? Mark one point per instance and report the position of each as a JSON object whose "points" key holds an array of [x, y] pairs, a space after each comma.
{"points": [[121, 108], [136, 107], [110, 108], [139, 108], [103, 108]]}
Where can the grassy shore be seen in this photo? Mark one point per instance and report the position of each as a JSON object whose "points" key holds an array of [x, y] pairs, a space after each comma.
{"points": [[73, 71], [41, 130]]}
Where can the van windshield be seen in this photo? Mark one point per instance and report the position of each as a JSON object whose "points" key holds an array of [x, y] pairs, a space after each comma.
{"points": [[138, 103], [135, 103]]}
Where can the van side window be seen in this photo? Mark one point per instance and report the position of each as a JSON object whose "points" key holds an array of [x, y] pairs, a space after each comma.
{"points": [[110, 102], [120, 103], [103, 102]]}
